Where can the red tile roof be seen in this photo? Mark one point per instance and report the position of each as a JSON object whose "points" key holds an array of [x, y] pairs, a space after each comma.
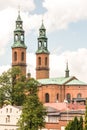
{"points": [[64, 106]]}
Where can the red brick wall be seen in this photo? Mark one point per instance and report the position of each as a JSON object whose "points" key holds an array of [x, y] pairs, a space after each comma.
{"points": [[53, 90], [19, 62], [42, 71]]}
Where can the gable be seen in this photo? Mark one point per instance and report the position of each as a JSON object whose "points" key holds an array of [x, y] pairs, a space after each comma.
{"points": [[61, 81]]}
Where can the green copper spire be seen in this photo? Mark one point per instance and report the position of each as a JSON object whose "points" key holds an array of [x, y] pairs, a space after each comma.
{"points": [[19, 33], [67, 70], [42, 40]]}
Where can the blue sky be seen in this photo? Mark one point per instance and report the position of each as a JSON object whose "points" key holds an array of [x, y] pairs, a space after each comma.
{"points": [[66, 24]]}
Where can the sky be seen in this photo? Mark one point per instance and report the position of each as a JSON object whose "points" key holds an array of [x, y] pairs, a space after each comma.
{"points": [[66, 28]]}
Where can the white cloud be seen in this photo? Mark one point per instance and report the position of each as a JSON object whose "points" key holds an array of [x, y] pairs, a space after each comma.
{"points": [[62, 12], [77, 64], [4, 68], [59, 13], [76, 61], [27, 5]]}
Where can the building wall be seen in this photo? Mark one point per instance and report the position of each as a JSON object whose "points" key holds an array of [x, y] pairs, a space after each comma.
{"points": [[19, 62], [42, 70], [75, 90], [52, 90], [9, 116], [62, 91]]}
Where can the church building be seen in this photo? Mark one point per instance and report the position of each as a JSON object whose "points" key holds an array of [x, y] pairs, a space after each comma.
{"points": [[51, 90]]}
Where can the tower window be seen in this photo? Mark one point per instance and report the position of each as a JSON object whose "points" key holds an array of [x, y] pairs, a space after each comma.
{"points": [[45, 60], [68, 97], [16, 37], [15, 56], [39, 61], [39, 44], [45, 45], [22, 38], [22, 56], [46, 97]]}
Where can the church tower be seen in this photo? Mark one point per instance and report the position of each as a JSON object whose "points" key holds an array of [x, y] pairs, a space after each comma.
{"points": [[19, 47], [42, 55]]}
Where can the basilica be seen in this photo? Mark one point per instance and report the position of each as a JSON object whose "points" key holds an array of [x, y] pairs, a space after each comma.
{"points": [[51, 90]]}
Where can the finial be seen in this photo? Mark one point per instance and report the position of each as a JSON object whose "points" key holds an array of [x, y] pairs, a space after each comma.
{"points": [[42, 25], [19, 17], [19, 10], [42, 19], [67, 65]]}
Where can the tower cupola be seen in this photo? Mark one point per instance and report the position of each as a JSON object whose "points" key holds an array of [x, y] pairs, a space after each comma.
{"points": [[42, 55], [19, 33], [42, 40]]}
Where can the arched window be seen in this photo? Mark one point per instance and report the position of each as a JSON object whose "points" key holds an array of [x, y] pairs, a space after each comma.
{"points": [[15, 56], [79, 95], [46, 97], [22, 38], [45, 60], [45, 44], [16, 37], [68, 97], [39, 44], [57, 96], [39, 61], [22, 56]]}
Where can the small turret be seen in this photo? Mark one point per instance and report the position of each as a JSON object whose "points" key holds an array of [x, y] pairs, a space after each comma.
{"points": [[67, 70]]}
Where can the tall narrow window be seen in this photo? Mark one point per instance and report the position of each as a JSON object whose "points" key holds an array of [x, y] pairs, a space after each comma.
{"points": [[22, 56], [22, 38], [45, 44], [45, 60], [57, 96], [39, 61], [39, 44], [46, 97], [15, 56], [8, 119], [16, 37], [68, 97]]}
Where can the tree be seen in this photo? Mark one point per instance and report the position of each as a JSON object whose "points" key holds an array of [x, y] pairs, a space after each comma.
{"points": [[33, 112], [75, 124], [11, 82], [80, 127], [69, 126], [86, 116]]}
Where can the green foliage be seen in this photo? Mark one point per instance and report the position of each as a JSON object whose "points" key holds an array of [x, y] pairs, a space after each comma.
{"points": [[11, 87], [80, 127], [86, 117], [75, 124], [33, 112]]}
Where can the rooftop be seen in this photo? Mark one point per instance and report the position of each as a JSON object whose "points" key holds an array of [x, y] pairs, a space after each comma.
{"points": [[62, 81]]}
